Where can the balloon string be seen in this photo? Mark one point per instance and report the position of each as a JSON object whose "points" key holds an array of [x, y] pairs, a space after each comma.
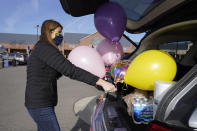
{"points": [[105, 77], [124, 86], [116, 86]]}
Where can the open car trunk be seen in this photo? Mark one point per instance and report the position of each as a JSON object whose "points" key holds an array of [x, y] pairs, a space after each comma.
{"points": [[164, 21], [178, 107]]}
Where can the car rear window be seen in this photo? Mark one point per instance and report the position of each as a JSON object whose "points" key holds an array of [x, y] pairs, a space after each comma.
{"points": [[177, 49], [4, 53], [11, 54], [19, 55], [136, 9]]}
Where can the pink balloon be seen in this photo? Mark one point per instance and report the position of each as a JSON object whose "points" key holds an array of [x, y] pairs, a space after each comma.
{"points": [[88, 59], [111, 52]]}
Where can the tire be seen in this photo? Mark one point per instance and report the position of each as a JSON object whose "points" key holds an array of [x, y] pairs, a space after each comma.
{"points": [[17, 63], [13, 62]]}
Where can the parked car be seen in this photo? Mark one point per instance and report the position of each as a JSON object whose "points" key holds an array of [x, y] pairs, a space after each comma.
{"points": [[164, 22], [8, 56], [11, 56], [15, 58], [1, 62], [4, 55], [21, 58]]}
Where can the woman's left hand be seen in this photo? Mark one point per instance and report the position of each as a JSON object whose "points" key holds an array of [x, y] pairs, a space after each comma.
{"points": [[107, 86]]}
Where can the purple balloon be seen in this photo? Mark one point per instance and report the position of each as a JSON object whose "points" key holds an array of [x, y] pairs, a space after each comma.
{"points": [[111, 52], [110, 21]]}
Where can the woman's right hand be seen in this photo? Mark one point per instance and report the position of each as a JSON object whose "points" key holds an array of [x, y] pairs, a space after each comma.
{"points": [[107, 86]]}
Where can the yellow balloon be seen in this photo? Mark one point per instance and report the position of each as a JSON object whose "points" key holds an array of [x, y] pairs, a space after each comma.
{"points": [[149, 66]]}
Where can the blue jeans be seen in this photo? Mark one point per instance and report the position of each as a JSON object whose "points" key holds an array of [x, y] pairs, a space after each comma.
{"points": [[44, 118]]}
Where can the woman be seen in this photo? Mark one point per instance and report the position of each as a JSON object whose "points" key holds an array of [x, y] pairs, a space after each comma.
{"points": [[45, 65]]}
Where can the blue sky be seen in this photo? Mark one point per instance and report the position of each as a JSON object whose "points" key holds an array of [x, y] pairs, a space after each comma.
{"points": [[21, 16]]}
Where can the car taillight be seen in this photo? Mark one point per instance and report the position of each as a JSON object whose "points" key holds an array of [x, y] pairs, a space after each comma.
{"points": [[22, 59], [156, 127]]}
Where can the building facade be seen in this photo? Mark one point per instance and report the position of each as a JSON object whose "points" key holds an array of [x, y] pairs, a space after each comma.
{"points": [[25, 42]]}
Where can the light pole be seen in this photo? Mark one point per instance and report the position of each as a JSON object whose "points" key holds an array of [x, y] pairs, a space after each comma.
{"points": [[37, 27]]}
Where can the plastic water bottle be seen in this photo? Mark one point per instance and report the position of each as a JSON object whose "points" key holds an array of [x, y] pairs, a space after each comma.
{"points": [[136, 110], [142, 110]]}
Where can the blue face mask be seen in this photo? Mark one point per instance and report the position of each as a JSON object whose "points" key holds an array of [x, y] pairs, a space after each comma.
{"points": [[58, 39]]}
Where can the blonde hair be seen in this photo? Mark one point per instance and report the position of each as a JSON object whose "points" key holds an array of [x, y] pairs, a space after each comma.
{"points": [[47, 27]]}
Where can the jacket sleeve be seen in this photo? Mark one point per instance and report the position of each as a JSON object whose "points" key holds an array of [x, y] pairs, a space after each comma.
{"points": [[52, 57]]}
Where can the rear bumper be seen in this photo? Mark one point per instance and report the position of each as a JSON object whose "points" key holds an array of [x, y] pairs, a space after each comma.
{"points": [[111, 115]]}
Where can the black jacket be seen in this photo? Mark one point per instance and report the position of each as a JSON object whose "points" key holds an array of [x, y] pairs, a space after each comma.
{"points": [[44, 66]]}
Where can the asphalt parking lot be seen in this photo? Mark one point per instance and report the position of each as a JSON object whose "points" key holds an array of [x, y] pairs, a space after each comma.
{"points": [[13, 115]]}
